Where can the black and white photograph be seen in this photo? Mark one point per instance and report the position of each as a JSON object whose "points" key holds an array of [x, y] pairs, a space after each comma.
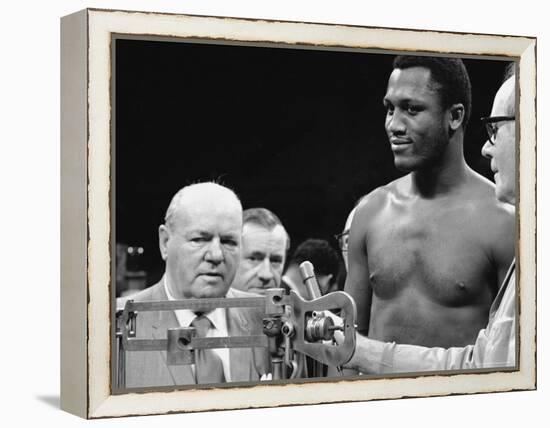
{"points": [[273, 213], [267, 213], [236, 164]]}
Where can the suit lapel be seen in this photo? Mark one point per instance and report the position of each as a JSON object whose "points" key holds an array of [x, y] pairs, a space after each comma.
{"points": [[240, 359], [247, 364], [182, 375]]}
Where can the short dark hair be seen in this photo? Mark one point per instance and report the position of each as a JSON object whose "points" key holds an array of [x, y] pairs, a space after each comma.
{"points": [[319, 252], [264, 218], [451, 76]]}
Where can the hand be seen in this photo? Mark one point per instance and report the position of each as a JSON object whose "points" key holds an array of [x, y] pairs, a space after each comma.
{"points": [[266, 376], [339, 337], [335, 318]]}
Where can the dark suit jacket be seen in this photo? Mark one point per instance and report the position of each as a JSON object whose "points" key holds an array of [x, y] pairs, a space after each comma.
{"points": [[149, 368]]}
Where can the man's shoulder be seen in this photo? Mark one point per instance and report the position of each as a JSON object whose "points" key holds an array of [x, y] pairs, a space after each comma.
{"points": [[235, 293], [480, 186], [494, 221], [153, 292], [487, 203], [251, 316], [378, 197], [240, 294], [497, 216]]}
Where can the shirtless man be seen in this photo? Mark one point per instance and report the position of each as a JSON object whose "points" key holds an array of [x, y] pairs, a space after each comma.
{"points": [[428, 251]]}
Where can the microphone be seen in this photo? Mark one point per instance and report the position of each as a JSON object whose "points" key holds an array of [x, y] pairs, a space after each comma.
{"points": [[308, 276]]}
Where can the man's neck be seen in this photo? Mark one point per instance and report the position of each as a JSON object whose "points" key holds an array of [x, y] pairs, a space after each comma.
{"points": [[450, 173]]}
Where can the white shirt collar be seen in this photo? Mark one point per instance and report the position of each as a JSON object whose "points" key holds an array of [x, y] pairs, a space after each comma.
{"points": [[186, 316], [219, 328]]}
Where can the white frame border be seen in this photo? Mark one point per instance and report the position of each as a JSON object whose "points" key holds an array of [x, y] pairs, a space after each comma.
{"points": [[102, 24]]}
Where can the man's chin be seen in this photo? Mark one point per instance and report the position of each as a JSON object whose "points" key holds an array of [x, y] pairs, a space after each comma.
{"points": [[257, 290], [410, 163], [210, 290], [403, 165], [504, 194]]}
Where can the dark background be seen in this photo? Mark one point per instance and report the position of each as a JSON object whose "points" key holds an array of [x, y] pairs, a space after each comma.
{"points": [[300, 132]]}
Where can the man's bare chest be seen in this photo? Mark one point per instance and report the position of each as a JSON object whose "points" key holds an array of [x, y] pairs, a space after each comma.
{"points": [[439, 254]]}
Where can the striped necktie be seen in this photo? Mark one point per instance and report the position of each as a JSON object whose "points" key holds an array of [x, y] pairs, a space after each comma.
{"points": [[208, 365]]}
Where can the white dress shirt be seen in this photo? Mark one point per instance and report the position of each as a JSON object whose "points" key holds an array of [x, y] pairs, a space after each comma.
{"points": [[219, 328]]}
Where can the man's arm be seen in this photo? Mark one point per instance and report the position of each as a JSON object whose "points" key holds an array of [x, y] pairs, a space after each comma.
{"points": [[372, 356], [357, 281], [376, 357], [493, 348]]}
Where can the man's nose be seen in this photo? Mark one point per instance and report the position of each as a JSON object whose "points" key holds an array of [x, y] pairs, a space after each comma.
{"points": [[487, 150], [214, 253], [395, 123], [265, 273]]}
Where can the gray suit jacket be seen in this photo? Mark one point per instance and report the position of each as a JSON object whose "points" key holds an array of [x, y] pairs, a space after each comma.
{"points": [[149, 368]]}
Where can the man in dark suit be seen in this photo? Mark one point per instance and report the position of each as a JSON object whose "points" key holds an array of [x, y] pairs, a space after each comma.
{"points": [[200, 242]]}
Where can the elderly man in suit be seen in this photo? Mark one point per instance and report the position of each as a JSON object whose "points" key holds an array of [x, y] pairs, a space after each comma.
{"points": [[200, 242]]}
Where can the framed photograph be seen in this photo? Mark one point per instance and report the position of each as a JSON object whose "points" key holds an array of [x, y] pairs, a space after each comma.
{"points": [[347, 136]]}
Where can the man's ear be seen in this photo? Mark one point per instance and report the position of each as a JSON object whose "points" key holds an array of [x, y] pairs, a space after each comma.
{"points": [[456, 116], [164, 237]]}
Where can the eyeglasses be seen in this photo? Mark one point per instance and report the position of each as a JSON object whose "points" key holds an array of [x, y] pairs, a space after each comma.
{"points": [[491, 125], [342, 239]]}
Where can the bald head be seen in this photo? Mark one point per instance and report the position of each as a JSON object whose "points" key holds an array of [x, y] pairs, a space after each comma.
{"points": [[502, 152], [200, 241], [210, 196], [504, 103]]}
